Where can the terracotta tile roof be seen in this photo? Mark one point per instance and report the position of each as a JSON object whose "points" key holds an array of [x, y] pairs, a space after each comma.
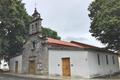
{"points": [[83, 44], [52, 41]]}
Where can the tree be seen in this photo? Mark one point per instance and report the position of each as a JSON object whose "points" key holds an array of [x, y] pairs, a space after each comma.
{"points": [[105, 22], [14, 22], [50, 33], [14, 27]]}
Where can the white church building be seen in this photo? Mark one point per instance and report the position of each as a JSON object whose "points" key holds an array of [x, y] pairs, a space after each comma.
{"points": [[47, 56]]}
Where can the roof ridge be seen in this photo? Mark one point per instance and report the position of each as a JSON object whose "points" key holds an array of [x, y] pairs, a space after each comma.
{"points": [[65, 43]]}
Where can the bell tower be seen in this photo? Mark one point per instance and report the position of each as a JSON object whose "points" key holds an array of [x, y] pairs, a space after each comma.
{"points": [[35, 24]]}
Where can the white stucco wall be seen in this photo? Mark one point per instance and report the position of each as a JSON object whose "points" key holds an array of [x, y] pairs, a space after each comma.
{"points": [[85, 63], [103, 68], [77, 58], [13, 61], [119, 61]]}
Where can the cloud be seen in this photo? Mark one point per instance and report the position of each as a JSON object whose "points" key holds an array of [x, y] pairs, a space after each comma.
{"points": [[87, 39], [68, 17]]}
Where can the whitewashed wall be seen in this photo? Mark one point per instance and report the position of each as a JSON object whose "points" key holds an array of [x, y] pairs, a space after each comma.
{"points": [[12, 64], [103, 68], [119, 61], [77, 58]]}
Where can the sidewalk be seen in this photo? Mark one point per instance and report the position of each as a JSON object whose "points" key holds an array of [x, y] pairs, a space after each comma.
{"points": [[54, 77], [44, 76]]}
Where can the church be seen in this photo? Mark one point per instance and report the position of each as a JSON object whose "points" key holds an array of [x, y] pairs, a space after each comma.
{"points": [[47, 56]]}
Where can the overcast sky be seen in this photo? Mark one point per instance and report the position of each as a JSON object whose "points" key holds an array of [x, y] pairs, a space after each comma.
{"points": [[68, 17]]}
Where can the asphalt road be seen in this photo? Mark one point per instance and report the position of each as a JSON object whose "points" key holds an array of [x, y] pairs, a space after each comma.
{"points": [[9, 77]]}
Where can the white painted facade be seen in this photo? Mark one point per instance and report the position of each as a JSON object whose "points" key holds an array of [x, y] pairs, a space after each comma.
{"points": [[103, 68], [82, 63], [78, 62], [13, 61], [119, 61]]}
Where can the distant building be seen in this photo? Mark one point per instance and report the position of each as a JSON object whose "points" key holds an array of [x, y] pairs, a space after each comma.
{"points": [[47, 56]]}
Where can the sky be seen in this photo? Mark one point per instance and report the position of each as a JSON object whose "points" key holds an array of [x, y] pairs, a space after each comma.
{"points": [[68, 17]]}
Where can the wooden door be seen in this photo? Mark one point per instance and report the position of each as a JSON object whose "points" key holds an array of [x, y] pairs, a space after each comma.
{"points": [[66, 66], [32, 67], [16, 67]]}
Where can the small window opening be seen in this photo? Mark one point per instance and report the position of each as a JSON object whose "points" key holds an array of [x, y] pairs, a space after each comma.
{"points": [[107, 59], [98, 57]]}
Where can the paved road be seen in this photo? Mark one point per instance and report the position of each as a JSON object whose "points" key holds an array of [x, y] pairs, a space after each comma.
{"points": [[8, 77]]}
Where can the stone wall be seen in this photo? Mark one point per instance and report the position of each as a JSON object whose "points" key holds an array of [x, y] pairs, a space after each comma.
{"points": [[39, 54]]}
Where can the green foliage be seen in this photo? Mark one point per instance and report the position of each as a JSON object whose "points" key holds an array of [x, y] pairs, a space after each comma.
{"points": [[105, 25], [50, 33], [13, 27]]}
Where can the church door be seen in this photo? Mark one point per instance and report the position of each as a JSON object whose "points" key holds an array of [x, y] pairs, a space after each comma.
{"points": [[16, 67], [32, 67], [66, 66]]}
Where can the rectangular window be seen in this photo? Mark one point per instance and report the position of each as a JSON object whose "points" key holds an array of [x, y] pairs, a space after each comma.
{"points": [[113, 59], [107, 59], [98, 57]]}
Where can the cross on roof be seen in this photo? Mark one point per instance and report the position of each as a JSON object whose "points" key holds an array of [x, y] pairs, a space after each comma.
{"points": [[35, 3]]}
